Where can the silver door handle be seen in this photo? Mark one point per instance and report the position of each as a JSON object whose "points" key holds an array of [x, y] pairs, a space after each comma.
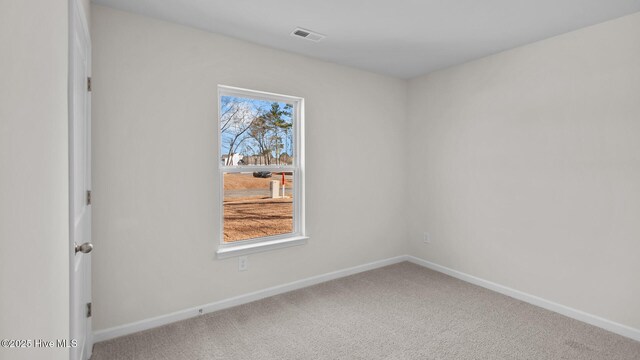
{"points": [[84, 248]]}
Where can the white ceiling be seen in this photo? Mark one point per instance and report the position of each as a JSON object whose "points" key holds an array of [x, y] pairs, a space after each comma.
{"points": [[403, 38]]}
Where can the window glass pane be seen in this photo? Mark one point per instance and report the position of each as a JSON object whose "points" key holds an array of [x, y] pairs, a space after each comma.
{"points": [[254, 207], [255, 132]]}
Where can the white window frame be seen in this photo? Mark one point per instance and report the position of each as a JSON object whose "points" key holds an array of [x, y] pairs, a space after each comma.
{"points": [[298, 236]]}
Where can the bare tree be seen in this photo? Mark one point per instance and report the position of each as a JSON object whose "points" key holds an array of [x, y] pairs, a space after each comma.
{"points": [[236, 119], [259, 134]]}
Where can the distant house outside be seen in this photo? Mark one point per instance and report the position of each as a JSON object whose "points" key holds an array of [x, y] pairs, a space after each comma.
{"points": [[236, 159]]}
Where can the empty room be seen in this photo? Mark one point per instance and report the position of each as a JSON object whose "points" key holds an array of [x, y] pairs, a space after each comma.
{"points": [[206, 179]]}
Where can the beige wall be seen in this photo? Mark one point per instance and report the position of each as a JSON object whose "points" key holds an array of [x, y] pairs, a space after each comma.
{"points": [[155, 183], [34, 245], [525, 169]]}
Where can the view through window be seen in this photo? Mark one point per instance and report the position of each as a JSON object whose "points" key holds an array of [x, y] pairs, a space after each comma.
{"points": [[259, 165]]}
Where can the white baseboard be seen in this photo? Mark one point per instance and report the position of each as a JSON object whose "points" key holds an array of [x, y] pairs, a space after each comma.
{"points": [[126, 329], [146, 324], [594, 320]]}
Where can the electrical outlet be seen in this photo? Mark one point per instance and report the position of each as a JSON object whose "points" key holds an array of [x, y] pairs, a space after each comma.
{"points": [[427, 238], [243, 263]]}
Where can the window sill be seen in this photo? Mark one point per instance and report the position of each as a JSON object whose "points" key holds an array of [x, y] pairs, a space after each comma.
{"points": [[232, 250]]}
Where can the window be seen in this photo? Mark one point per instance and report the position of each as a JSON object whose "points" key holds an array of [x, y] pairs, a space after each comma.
{"points": [[261, 168]]}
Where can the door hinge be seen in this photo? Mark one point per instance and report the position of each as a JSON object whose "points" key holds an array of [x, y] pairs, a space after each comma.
{"points": [[88, 197], [89, 84], [88, 309]]}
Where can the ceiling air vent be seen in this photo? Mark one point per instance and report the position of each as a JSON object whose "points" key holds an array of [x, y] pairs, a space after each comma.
{"points": [[307, 34]]}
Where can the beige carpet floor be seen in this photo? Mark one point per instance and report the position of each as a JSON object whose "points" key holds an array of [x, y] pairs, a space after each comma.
{"points": [[402, 311]]}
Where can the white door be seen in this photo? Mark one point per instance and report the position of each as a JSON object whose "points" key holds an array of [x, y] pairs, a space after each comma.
{"points": [[80, 183]]}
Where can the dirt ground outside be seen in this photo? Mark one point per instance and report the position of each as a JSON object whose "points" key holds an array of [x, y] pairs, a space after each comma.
{"points": [[249, 211]]}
